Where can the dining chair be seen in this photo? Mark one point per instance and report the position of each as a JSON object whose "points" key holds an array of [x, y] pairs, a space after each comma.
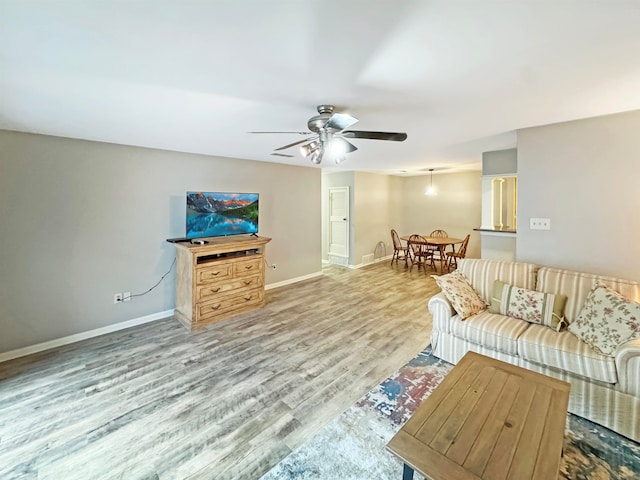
{"points": [[452, 257], [435, 257], [419, 252], [400, 251], [439, 234]]}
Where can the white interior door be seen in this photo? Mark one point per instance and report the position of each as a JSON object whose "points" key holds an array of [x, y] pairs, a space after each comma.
{"points": [[339, 225]]}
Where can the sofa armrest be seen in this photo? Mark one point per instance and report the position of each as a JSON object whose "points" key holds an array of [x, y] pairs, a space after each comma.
{"points": [[440, 309], [628, 366]]}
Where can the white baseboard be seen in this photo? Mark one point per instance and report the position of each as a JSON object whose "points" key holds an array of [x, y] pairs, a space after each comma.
{"points": [[292, 280], [381, 259], [58, 342], [377, 260], [339, 260]]}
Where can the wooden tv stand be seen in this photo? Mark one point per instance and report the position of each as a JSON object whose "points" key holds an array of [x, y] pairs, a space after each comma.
{"points": [[219, 279]]}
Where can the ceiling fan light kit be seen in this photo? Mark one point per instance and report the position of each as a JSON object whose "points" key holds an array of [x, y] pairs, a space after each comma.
{"points": [[309, 148], [328, 130], [340, 146], [316, 157]]}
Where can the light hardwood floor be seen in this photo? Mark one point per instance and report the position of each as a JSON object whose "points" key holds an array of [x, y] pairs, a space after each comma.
{"points": [[226, 402]]}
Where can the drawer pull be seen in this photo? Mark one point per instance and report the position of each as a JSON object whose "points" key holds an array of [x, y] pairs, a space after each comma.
{"points": [[215, 307], [248, 282], [215, 273], [214, 290], [248, 298], [248, 267]]}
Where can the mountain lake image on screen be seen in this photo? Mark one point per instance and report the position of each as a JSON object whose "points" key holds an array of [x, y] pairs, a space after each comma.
{"points": [[215, 214]]}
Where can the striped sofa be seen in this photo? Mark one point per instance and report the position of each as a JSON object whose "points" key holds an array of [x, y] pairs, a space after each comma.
{"points": [[604, 389]]}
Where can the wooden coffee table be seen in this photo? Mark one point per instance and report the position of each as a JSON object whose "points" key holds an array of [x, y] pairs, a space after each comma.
{"points": [[486, 420]]}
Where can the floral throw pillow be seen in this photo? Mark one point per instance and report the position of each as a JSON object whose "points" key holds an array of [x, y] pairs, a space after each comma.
{"points": [[463, 298], [607, 320], [528, 305]]}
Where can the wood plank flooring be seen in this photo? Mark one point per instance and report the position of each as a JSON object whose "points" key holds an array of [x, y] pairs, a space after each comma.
{"points": [[226, 402]]}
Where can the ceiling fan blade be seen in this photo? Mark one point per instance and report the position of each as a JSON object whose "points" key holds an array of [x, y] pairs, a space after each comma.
{"points": [[293, 144], [298, 133], [394, 136], [340, 121]]}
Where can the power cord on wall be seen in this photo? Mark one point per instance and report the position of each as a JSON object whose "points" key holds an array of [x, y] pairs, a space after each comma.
{"points": [[272, 267], [124, 299]]}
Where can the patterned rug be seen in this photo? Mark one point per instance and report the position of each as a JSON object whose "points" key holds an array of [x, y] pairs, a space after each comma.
{"points": [[352, 447]]}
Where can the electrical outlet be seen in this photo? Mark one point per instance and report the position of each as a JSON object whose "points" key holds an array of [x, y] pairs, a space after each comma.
{"points": [[540, 223], [117, 298], [126, 297]]}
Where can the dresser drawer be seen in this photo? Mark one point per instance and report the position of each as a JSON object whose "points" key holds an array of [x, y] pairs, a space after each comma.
{"points": [[229, 303], [213, 273], [247, 267], [205, 292]]}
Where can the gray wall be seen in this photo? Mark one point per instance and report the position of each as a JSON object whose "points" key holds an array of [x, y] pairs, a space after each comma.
{"points": [[500, 162], [83, 220], [583, 175]]}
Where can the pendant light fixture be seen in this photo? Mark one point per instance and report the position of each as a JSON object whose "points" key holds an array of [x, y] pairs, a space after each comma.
{"points": [[431, 191]]}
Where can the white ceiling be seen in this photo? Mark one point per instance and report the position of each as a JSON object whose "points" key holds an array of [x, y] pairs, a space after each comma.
{"points": [[459, 76]]}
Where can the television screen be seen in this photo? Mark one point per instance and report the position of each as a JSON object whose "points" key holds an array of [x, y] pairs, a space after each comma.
{"points": [[215, 214]]}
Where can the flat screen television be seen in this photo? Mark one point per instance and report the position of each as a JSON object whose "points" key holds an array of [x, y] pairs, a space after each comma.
{"points": [[216, 214]]}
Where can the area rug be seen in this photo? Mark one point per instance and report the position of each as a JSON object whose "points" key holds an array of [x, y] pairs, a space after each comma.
{"points": [[352, 447]]}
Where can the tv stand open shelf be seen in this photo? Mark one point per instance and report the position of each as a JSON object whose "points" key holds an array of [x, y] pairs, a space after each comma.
{"points": [[219, 279]]}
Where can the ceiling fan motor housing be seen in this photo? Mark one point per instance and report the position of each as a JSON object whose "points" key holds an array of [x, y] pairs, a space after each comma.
{"points": [[316, 122]]}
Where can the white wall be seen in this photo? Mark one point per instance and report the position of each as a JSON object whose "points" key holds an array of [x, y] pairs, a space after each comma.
{"points": [[80, 221], [457, 208], [584, 176], [376, 208]]}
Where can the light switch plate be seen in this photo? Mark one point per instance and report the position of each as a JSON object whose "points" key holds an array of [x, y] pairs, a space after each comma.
{"points": [[540, 223]]}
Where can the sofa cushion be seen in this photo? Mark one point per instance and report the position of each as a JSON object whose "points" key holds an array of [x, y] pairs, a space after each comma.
{"points": [[482, 273], [528, 305], [565, 351], [463, 298], [490, 330], [607, 320], [576, 286]]}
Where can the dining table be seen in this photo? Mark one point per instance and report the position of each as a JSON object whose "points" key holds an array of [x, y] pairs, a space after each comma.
{"points": [[440, 243]]}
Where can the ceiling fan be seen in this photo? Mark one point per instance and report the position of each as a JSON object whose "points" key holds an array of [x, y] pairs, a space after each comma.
{"points": [[328, 136]]}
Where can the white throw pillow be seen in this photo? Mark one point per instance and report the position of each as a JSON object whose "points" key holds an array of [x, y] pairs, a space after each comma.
{"points": [[607, 320], [464, 299]]}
